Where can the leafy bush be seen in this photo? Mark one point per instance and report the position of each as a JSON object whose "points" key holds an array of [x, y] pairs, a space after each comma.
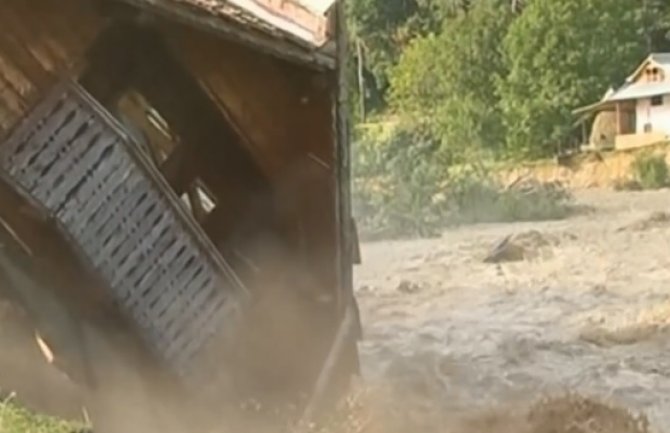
{"points": [[478, 198], [396, 181], [650, 171], [402, 189]]}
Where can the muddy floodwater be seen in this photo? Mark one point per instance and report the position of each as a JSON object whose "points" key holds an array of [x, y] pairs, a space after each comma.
{"points": [[586, 310], [579, 306]]}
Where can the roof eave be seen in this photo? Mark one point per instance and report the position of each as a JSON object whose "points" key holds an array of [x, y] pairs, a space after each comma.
{"points": [[285, 46], [639, 69]]}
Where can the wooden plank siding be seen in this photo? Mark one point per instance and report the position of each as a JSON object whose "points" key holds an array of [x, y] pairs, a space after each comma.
{"points": [[286, 115], [40, 41]]}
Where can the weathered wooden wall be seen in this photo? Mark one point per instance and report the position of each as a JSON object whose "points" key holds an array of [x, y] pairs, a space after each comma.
{"points": [[286, 114], [40, 40]]}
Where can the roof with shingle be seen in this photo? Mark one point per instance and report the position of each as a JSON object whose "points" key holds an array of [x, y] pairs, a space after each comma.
{"points": [[661, 58], [303, 19], [305, 24], [643, 90]]}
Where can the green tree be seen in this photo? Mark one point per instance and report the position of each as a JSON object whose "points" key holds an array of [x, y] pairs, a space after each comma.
{"points": [[561, 54], [380, 29], [447, 81], [655, 19]]}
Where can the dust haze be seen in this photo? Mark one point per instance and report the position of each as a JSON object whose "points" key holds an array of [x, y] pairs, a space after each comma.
{"points": [[569, 333]]}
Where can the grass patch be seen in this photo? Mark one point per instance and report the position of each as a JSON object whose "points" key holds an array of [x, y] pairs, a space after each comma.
{"points": [[15, 419], [650, 171]]}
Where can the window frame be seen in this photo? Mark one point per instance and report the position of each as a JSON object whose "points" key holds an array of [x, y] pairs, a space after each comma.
{"points": [[657, 101]]}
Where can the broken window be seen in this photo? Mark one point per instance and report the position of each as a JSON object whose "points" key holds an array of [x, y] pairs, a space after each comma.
{"points": [[155, 139], [199, 200], [146, 125]]}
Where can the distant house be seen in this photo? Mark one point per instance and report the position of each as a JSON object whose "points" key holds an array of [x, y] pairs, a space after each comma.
{"points": [[638, 113]]}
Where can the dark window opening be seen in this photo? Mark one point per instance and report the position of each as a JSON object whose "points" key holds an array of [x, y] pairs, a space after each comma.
{"points": [[155, 139], [656, 101], [146, 125]]}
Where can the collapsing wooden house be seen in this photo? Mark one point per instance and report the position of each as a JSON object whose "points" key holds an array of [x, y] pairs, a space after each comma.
{"points": [[174, 180]]}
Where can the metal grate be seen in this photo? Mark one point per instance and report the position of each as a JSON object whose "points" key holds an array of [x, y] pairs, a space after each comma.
{"points": [[71, 158]]}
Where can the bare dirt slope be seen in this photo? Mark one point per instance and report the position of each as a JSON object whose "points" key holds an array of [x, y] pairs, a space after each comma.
{"points": [[587, 310]]}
